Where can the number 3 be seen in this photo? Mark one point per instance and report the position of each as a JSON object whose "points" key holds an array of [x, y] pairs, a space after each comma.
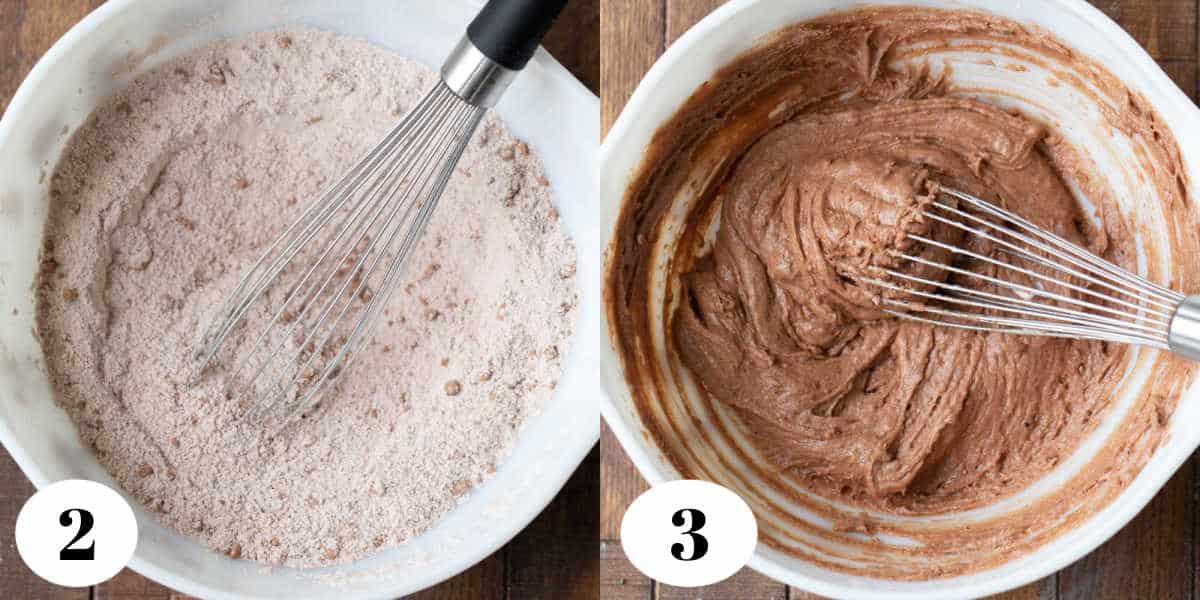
{"points": [[86, 521], [699, 543]]}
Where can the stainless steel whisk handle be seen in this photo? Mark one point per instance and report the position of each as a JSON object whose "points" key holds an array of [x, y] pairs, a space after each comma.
{"points": [[1183, 335], [474, 77], [498, 43]]}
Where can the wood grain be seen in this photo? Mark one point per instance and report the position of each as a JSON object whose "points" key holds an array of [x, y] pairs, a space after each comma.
{"points": [[27, 29], [484, 581], [619, 580], [745, 584], [1154, 556], [16, 580], [1043, 589], [575, 41], [1149, 558], [683, 14], [128, 585], [619, 484], [632, 36], [1165, 28], [556, 557]]}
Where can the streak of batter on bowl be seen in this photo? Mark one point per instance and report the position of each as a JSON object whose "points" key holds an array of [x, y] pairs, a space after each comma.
{"points": [[815, 150]]}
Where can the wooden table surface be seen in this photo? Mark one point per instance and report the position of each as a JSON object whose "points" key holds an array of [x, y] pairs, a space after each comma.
{"points": [[1153, 557], [555, 557]]}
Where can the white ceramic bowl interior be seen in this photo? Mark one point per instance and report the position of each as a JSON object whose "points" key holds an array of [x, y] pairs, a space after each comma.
{"points": [[546, 107], [738, 26]]}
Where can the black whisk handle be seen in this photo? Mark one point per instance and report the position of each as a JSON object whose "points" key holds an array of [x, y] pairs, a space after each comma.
{"points": [[509, 31]]}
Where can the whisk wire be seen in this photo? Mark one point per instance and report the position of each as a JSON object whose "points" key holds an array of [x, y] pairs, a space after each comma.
{"points": [[1019, 288], [1027, 289], [333, 204], [368, 322], [1091, 299], [1075, 254], [1025, 253], [330, 255], [317, 214], [1035, 330], [1009, 304], [423, 198], [376, 212], [359, 225]]}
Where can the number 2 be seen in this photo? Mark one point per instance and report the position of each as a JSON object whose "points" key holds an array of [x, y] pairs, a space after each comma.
{"points": [[699, 543], [86, 521]]}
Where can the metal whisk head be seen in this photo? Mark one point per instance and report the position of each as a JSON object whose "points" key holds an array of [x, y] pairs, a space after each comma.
{"points": [[1011, 276], [321, 286]]}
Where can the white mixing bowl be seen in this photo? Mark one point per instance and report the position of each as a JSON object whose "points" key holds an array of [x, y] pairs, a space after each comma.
{"points": [[545, 106], [740, 25]]}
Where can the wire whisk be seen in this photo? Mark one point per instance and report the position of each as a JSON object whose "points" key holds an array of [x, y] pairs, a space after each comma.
{"points": [[300, 314], [1008, 275], [342, 258]]}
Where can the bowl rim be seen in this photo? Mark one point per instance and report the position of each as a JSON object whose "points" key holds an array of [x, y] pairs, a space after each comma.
{"points": [[765, 560], [527, 511]]}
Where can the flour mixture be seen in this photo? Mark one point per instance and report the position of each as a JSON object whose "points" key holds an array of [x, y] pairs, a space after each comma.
{"points": [[175, 185]]}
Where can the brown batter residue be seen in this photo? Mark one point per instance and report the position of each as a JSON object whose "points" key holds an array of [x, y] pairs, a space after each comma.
{"points": [[824, 145]]}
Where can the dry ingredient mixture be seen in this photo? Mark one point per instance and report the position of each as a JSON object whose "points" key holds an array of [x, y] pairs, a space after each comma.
{"points": [[817, 150], [176, 184]]}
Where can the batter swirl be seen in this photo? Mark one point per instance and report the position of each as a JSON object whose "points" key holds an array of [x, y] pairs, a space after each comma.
{"points": [[777, 323]]}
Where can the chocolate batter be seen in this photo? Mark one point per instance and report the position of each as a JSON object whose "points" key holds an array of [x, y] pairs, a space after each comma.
{"points": [[778, 323], [824, 144]]}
